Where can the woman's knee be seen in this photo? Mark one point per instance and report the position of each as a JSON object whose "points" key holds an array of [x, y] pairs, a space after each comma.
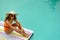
{"points": [[14, 24]]}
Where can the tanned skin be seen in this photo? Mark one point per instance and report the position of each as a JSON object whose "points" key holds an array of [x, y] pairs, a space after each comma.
{"points": [[9, 27]]}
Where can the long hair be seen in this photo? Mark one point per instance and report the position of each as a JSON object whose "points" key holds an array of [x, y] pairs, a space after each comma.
{"points": [[8, 17]]}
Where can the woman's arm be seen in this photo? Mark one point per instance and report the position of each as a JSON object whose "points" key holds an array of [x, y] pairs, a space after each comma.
{"points": [[19, 25], [10, 25]]}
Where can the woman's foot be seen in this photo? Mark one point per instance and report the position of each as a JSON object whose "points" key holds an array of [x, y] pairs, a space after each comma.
{"points": [[26, 35]]}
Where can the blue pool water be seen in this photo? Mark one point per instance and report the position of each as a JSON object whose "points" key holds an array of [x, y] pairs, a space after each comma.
{"points": [[41, 16]]}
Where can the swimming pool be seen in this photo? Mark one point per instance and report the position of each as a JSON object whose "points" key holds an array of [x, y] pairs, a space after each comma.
{"points": [[41, 16]]}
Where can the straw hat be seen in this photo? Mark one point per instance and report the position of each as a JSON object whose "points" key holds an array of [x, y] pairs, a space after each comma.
{"points": [[11, 12]]}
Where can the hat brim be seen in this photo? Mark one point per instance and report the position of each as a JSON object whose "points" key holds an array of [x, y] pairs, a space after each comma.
{"points": [[10, 13]]}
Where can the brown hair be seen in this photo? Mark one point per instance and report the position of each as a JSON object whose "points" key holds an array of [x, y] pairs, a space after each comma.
{"points": [[8, 17]]}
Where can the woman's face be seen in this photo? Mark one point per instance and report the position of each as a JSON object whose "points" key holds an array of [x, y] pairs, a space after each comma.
{"points": [[12, 16]]}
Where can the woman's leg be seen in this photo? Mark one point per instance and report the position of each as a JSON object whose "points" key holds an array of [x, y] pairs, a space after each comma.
{"points": [[8, 30], [18, 30], [15, 24]]}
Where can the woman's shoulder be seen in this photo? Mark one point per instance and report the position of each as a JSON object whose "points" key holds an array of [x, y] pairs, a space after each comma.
{"points": [[7, 22]]}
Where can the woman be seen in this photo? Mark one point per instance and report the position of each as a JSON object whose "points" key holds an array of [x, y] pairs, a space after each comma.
{"points": [[11, 24]]}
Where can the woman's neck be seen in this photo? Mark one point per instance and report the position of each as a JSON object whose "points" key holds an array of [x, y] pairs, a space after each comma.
{"points": [[11, 21]]}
